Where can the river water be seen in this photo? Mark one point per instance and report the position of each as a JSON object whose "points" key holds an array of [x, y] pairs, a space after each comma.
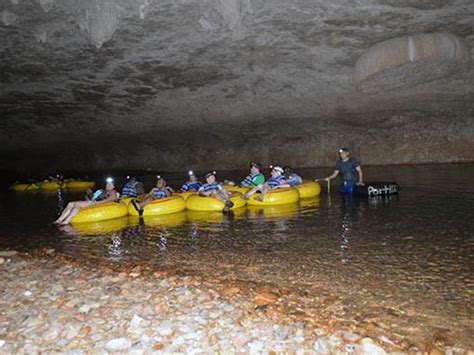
{"points": [[400, 265]]}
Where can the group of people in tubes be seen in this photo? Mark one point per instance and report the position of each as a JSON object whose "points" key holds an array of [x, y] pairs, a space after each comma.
{"points": [[348, 167]]}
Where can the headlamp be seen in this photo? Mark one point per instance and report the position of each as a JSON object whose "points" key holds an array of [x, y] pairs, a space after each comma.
{"points": [[109, 180]]}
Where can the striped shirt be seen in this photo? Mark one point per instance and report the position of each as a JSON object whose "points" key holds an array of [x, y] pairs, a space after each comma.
{"points": [[191, 186], [130, 189], [294, 180], [159, 193], [211, 187], [273, 182]]}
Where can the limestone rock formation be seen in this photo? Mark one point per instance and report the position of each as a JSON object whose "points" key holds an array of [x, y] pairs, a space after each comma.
{"points": [[410, 60], [9, 18], [46, 5], [198, 84], [100, 19]]}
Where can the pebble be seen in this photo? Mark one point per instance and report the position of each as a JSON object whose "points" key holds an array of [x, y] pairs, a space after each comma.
{"points": [[369, 347], [264, 298], [141, 316], [136, 321], [84, 309], [2, 261], [322, 346], [118, 344], [8, 253]]}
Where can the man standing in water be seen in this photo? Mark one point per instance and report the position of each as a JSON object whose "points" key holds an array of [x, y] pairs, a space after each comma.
{"points": [[350, 170]]}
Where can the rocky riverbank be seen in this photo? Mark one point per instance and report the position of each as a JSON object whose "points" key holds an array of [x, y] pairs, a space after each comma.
{"points": [[50, 304]]}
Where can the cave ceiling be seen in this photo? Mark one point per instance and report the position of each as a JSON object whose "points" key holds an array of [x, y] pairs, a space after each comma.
{"points": [[71, 70]]}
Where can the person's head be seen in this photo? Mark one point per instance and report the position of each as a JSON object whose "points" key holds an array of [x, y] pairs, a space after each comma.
{"points": [[287, 170], [160, 182], [344, 153], [192, 176], [109, 184], [255, 168], [131, 178], [211, 177], [276, 171]]}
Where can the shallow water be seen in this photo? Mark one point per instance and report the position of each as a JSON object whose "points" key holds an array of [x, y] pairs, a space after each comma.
{"points": [[403, 263]]}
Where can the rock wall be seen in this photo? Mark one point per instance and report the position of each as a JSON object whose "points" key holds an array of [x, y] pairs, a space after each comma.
{"points": [[213, 84], [411, 60]]}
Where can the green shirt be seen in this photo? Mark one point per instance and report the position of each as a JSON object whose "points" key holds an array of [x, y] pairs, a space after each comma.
{"points": [[253, 180]]}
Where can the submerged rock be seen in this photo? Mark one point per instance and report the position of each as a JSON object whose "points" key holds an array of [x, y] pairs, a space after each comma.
{"points": [[118, 344]]}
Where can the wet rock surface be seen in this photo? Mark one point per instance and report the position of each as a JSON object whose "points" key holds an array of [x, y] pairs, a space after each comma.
{"points": [[54, 304], [252, 72]]}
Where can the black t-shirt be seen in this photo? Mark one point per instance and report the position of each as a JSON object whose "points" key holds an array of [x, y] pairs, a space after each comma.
{"points": [[347, 169]]}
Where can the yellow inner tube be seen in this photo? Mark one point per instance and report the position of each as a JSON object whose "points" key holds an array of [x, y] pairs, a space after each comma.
{"points": [[20, 187], [204, 203], [126, 200], [32, 187], [79, 185], [276, 197], [50, 185], [101, 212], [102, 227], [167, 205], [234, 188], [308, 189], [186, 194]]}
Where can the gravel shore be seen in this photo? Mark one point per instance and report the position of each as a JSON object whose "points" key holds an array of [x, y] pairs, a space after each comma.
{"points": [[52, 304]]}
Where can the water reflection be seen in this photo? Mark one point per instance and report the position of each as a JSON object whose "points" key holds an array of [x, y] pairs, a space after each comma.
{"points": [[95, 228], [167, 220], [349, 216], [115, 249]]}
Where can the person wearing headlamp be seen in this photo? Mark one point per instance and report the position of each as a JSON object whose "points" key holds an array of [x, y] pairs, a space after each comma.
{"points": [[276, 181], [132, 188], [158, 192], [213, 189], [350, 170], [253, 179], [192, 184], [97, 198]]}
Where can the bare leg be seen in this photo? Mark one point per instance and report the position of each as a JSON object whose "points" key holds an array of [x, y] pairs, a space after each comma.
{"points": [[254, 190], [71, 210], [221, 196], [71, 215], [65, 213], [146, 201], [263, 191]]}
